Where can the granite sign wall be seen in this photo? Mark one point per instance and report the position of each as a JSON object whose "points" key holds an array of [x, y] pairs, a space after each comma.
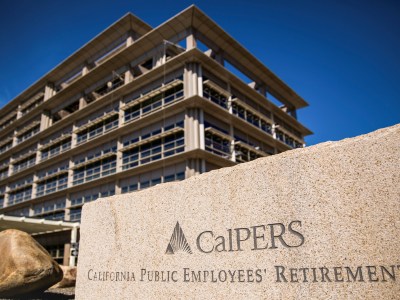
{"points": [[320, 222]]}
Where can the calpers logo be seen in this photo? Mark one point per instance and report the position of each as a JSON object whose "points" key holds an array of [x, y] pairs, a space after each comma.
{"points": [[178, 242], [252, 238]]}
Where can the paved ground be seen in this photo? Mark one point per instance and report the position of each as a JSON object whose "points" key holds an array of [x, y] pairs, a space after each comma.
{"points": [[53, 294]]}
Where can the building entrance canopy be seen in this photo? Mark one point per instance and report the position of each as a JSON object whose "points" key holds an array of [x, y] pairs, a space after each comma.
{"points": [[41, 226], [35, 226]]}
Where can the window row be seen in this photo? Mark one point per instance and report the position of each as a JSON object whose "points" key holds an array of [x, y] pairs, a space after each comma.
{"points": [[20, 195], [97, 154], [288, 140], [52, 185], [153, 150], [25, 163], [152, 182], [28, 134], [250, 115], [56, 149], [251, 118], [169, 96], [97, 129], [49, 207], [5, 147], [97, 169]]}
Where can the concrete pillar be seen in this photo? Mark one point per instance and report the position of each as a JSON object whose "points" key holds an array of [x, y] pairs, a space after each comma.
{"points": [[38, 156], [67, 205], [67, 254], [128, 77], [82, 102], [118, 187], [70, 172], [273, 126], [193, 125], [203, 166], [49, 91], [196, 131], [85, 70], [191, 80], [34, 185], [31, 211], [191, 40], [188, 126], [201, 130], [74, 136], [6, 194], [229, 98], [232, 134], [132, 36], [15, 139], [121, 113], [45, 120], [74, 246], [200, 80], [193, 167], [19, 113], [11, 163], [119, 155], [159, 57]]}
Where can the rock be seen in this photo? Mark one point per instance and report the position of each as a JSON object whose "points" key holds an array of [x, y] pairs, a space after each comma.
{"points": [[69, 278], [25, 266], [321, 222]]}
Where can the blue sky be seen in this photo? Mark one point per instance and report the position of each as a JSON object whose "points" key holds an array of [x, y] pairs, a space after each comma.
{"points": [[341, 56]]}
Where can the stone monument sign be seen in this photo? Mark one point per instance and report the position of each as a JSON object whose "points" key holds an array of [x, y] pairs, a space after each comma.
{"points": [[315, 223]]}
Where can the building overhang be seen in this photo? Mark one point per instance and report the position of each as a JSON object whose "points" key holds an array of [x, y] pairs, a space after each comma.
{"points": [[191, 19], [210, 32], [35, 226]]}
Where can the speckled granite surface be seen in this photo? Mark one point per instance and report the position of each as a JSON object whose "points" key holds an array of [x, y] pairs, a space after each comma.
{"points": [[316, 223]]}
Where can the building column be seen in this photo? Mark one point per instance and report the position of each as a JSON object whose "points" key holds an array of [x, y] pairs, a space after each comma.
{"points": [[119, 155], [232, 134], [132, 36], [34, 186], [67, 206], [194, 129], [82, 102], [74, 246], [19, 113], [15, 138], [193, 80], [128, 76], [70, 173], [193, 167], [74, 136], [6, 194], [85, 69], [201, 130], [45, 120], [49, 91], [191, 40], [159, 57], [118, 187], [230, 108]]}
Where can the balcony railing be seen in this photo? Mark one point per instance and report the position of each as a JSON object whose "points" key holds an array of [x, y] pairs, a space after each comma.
{"points": [[153, 100], [97, 127], [154, 148]]}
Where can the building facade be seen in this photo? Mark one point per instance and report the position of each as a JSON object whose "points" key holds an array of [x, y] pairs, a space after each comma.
{"points": [[136, 107]]}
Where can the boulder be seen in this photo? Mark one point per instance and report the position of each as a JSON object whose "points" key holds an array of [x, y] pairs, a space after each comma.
{"points": [[25, 266], [69, 278]]}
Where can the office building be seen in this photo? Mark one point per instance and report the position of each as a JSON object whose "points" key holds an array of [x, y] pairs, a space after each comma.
{"points": [[136, 107]]}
